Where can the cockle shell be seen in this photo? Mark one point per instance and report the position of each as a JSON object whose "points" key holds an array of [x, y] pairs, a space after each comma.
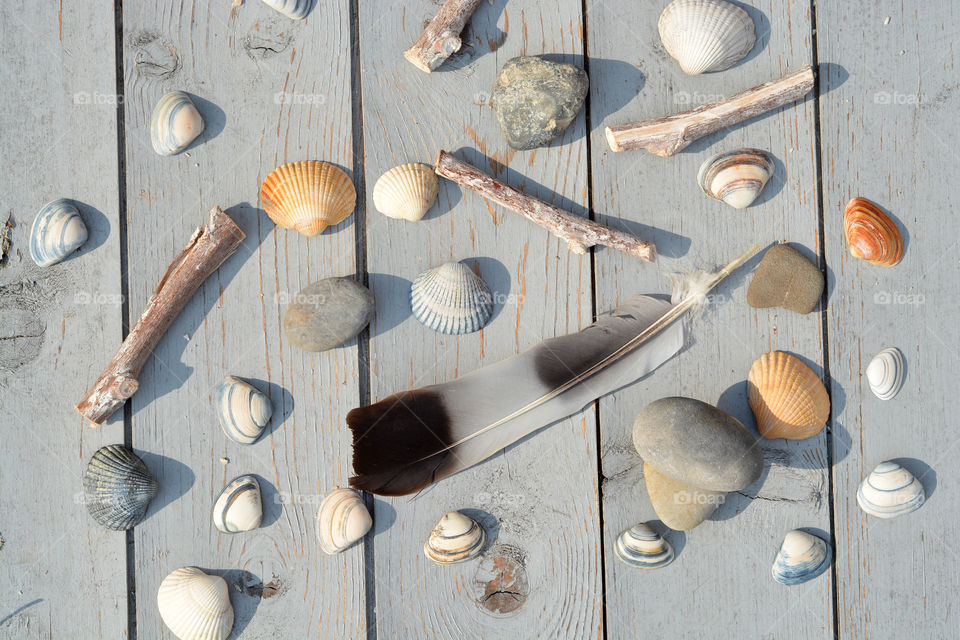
{"points": [[787, 397], [175, 123], [885, 373], [736, 177], [451, 299], [239, 506], [890, 491], [195, 606], [871, 234], [57, 231], [456, 538], [642, 547], [802, 556], [308, 196], [342, 519], [243, 411], [406, 192], [295, 9], [117, 487], [706, 35]]}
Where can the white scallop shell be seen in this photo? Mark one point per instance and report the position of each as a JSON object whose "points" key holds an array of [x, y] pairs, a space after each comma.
{"points": [[890, 491], [451, 299], [643, 548], [885, 373], [175, 123], [342, 519], [296, 9], [802, 556], [243, 411], [239, 506], [57, 231], [117, 487], [195, 606], [706, 35], [456, 538], [406, 192]]}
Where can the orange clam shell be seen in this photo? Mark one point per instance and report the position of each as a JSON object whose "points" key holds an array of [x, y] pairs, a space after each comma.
{"points": [[308, 196], [787, 397], [871, 234]]}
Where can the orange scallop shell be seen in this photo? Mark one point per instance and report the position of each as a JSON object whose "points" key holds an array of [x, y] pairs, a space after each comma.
{"points": [[308, 196], [786, 396], [871, 234]]}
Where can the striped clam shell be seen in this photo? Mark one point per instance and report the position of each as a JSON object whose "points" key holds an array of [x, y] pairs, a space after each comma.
{"points": [[736, 177], [57, 231], [870, 233], [195, 606], [243, 411], [451, 299], [295, 9], [706, 35], [890, 491], [342, 519], [239, 506], [308, 196], [642, 547], [406, 192], [885, 373], [802, 556], [117, 487], [456, 538], [175, 123]]}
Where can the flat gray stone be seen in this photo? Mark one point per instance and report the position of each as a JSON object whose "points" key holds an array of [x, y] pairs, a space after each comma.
{"points": [[327, 313]]}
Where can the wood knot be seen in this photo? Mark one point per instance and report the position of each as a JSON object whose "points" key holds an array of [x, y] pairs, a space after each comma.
{"points": [[500, 581]]}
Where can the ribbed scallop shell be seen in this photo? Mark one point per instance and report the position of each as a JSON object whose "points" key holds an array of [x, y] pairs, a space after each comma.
{"points": [[890, 491], [57, 231], [885, 373], [117, 487], [406, 192], [456, 538], [736, 177], [175, 123], [342, 519], [451, 299], [706, 35], [871, 234], [243, 411], [195, 606], [296, 9], [786, 396], [308, 196], [802, 556], [643, 548], [239, 506]]}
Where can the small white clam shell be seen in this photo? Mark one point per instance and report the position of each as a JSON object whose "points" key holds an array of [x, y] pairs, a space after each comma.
{"points": [[243, 411], [451, 299], [890, 491], [706, 35], [885, 373], [406, 192], [736, 177], [239, 506], [456, 538], [57, 231], [117, 487], [175, 123], [195, 606], [642, 547], [342, 519], [802, 556], [295, 9]]}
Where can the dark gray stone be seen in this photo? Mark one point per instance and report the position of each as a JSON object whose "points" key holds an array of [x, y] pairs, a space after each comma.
{"points": [[327, 313]]}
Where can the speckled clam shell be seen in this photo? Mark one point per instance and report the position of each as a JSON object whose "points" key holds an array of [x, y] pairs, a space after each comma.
{"points": [[706, 35], [117, 487], [239, 506], [451, 299], [456, 538], [175, 123], [308, 196], [802, 556], [342, 519], [406, 192], [885, 373], [736, 177], [787, 397], [242, 410], [295, 9], [890, 491], [643, 548], [57, 231], [870, 233], [195, 606]]}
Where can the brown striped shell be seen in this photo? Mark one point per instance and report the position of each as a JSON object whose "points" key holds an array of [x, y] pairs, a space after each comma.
{"points": [[308, 196], [871, 234], [787, 397]]}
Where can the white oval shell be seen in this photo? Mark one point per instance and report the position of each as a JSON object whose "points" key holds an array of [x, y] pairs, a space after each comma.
{"points": [[175, 123], [456, 538], [295, 9], [195, 606], [57, 231], [406, 192], [243, 411], [736, 177], [451, 299], [117, 487], [890, 491], [239, 506], [706, 35], [342, 519], [802, 556], [643, 548], [885, 373]]}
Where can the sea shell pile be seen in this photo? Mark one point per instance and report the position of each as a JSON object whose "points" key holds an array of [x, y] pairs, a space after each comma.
{"points": [[451, 299], [242, 410], [871, 234], [706, 35], [406, 192], [642, 547], [787, 397], [890, 491], [239, 506], [308, 196], [736, 177], [57, 231], [117, 487], [885, 373], [195, 606], [342, 519], [456, 538], [175, 123], [802, 557]]}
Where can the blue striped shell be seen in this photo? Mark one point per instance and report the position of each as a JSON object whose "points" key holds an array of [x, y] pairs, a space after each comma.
{"points": [[243, 411], [643, 548], [239, 506], [890, 491], [296, 9], [175, 123], [802, 556], [451, 299], [117, 487], [57, 231]]}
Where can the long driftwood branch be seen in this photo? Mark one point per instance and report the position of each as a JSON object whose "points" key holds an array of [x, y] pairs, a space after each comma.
{"points": [[578, 232], [667, 135], [208, 247], [441, 38]]}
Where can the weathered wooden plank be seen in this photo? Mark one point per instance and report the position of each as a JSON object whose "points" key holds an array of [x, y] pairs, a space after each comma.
{"points": [[61, 572], [721, 577], [272, 91], [540, 497], [888, 116]]}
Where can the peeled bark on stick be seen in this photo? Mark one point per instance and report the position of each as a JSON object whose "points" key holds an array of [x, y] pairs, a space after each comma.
{"points": [[208, 247], [578, 232], [441, 38], [667, 135]]}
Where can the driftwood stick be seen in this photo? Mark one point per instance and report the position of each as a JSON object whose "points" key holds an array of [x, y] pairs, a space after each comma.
{"points": [[441, 38], [208, 247], [578, 232], [667, 135]]}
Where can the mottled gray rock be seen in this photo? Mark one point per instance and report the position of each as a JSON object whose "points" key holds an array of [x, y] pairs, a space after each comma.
{"points": [[786, 278], [680, 506], [535, 99], [327, 313]]}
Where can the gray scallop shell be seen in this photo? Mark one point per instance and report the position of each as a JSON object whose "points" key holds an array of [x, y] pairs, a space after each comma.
{"points": [[175, 123], [243, 411], [802, 556], [890, 491], [451, 299], [57, 231], [296, 9], [117, 487], [643, 548]]}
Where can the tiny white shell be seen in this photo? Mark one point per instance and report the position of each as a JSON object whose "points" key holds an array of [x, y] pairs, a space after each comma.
{"points": [[642, 547], [890, 491], [456, 538], [802, 556], [175, 123], [195, 606], [295, 9], [57, 231], [243, 411], [885, 373], [451, 299], [706, 35], [342, 519], [239, 506], [406, 192]]}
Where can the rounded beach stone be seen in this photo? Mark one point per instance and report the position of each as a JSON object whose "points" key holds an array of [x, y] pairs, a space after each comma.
{"points": [[327, 313], [680, 506], [786, 278]]}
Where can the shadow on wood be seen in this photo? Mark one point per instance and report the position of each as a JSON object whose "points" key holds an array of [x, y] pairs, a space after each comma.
{"points": [[392, 298], [174, 477]]}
